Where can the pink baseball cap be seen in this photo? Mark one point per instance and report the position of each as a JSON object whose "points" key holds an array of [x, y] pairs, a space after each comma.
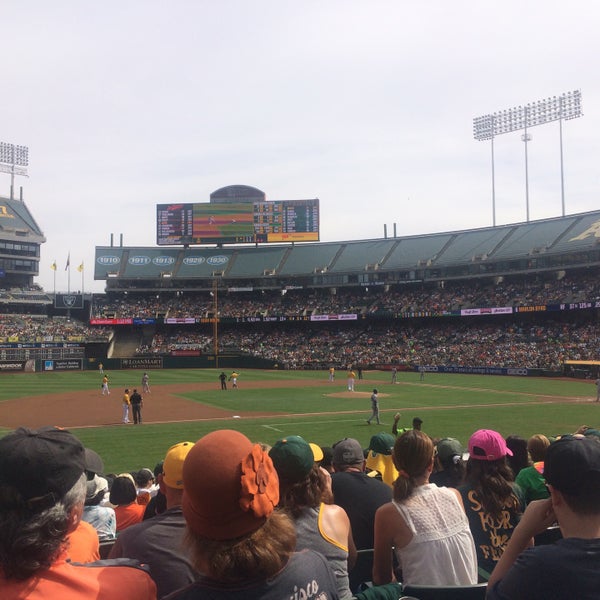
{"points": [[487, 444]]}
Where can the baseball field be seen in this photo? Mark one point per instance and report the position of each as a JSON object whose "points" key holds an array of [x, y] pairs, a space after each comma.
{"points": [[186, 404]]}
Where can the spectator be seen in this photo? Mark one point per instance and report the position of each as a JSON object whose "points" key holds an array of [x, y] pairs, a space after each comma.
{"points": [[244, 547], [94, 464], [450, 466], [158, 503], [83, 543], [303, 490], [417, 423], [146, 488], [102, 518], [317, 453], [531, 479], [158, 542], [124, 498], [569, 567], [42, 490], [379, 457], [519, 459], [327, 460], [492, 502], [424, 524], [360, 496]]}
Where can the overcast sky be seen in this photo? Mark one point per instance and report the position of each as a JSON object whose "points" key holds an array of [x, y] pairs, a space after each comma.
{"points": [[367, 105]]}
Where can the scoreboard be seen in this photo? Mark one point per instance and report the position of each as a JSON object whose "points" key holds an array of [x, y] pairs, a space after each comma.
{"points": [[242, 222]]}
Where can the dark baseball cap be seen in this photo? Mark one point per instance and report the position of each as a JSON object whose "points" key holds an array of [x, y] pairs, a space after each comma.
{"points": [[382, 443], [42, 465], [293, 458], [448, 448], [93, 462], [572, 465], [348, 452]]}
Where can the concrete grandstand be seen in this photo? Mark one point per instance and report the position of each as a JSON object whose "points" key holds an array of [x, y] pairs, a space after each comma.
{"points": [[520, 299], [522, 281]]}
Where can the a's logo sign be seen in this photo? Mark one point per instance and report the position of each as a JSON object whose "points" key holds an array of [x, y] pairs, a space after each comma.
{"points": [[592, 231], [69, 301], [108, 260], [217, 260], [139, 261], [163, 261], [193, 260]]}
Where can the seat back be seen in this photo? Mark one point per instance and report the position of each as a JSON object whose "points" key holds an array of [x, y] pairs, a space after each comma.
{"points": [[548, 536], [362, 570], [105, 548], [442, 592]]}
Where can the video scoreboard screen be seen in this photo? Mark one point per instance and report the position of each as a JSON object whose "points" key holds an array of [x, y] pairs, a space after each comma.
{"points": [[236, 223]]}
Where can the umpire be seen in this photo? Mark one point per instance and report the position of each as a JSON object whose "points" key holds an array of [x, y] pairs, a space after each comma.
{"points": [[136, 406]]}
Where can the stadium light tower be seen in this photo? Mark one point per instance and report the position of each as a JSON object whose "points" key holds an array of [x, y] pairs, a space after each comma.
{"points": [[13, 160], [558, 108]]}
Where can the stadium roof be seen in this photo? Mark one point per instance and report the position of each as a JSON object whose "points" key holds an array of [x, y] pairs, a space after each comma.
{"points": [[572, 240], [17, 221]]}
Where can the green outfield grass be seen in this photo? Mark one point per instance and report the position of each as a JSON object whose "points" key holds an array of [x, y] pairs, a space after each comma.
{"points": [[450, 405]]}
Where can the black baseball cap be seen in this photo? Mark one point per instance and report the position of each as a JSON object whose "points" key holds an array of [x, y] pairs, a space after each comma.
{"points": [[93, 462], [572, 465], [42, 465]]}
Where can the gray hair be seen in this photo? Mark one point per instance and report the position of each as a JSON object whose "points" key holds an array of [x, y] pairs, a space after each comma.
{"points": [[31, 541]]}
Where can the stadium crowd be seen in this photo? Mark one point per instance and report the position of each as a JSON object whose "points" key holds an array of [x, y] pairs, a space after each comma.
{"points": [[228, 518], [369, 300], [377, 337], [468, 342], [28, 329]]}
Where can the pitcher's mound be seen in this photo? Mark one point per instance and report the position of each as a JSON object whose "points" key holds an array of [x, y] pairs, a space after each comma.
{"points": [[348, 394]]}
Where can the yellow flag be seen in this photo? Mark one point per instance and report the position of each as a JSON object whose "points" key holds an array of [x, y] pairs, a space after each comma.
{"points": [[53, 266], [80, 267]]}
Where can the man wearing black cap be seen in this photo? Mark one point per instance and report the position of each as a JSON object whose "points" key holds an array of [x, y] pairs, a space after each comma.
{"points": [[42, 492], [569, 568], [360, 496]]}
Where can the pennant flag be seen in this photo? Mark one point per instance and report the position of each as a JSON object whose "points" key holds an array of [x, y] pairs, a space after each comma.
{"points": [[68, 262], [80, 267], [53, 266]]}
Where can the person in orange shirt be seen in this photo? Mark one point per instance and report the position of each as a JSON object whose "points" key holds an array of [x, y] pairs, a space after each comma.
{"points": [[42, 491], [123, 496], [83, 544]]}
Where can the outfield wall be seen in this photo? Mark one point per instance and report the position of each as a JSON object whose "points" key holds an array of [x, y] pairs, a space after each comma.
{"points": [[238, 361], [205, 361]]}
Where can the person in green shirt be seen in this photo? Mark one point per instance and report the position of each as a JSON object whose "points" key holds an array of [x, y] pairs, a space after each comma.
{"points": [[531, 479]]}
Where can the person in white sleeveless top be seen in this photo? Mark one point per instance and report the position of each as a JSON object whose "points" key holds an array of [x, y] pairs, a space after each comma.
{"points": [[426, 525]]}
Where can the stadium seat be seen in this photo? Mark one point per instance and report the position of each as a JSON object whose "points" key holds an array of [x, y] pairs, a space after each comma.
{"points": [[454, 592], [363, 569], [551, 535], [105, 548], [389, 591]]}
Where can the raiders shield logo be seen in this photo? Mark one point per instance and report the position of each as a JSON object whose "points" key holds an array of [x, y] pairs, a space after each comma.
{"points": [[69, 300]]}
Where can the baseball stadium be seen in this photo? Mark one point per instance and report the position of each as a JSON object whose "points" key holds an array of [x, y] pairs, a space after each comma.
{"points": [[493, 327], [240, 322]]}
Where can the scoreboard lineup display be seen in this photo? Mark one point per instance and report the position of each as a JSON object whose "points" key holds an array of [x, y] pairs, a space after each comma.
{"points": [[243, 222]]}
